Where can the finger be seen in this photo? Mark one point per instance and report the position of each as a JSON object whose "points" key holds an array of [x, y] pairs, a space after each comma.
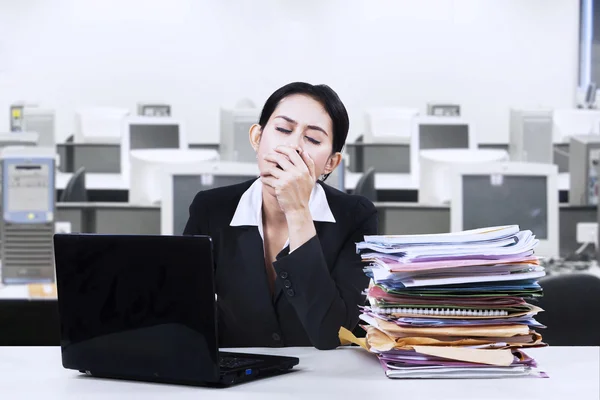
{"points": [[279, 159], [269, 181], [292, 155], [310, 164], [273, 171]]}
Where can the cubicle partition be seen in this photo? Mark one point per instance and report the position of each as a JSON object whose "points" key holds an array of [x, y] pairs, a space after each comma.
{"points": [[384, 157], [412, 219], [95, 157]]}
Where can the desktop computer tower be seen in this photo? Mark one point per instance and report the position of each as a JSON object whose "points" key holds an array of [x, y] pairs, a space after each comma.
{"points": [[531, 136], [235, 134], [584, 157], [28, 209], [42, 122]]}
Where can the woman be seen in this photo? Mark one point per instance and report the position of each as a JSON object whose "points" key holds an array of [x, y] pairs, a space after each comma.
{"points": [[286, 268]]}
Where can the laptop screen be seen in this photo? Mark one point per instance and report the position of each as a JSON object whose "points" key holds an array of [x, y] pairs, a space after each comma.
{"points": [[137, 305]]}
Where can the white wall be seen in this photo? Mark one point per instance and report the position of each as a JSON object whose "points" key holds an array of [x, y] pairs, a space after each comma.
{"points": [[487, 55]]}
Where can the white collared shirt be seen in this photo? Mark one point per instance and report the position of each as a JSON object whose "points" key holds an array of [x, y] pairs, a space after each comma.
{"points": [[249, 209]]}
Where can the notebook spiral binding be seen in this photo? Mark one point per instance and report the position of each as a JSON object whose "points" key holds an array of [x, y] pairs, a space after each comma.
{"points": [[442, 312]]}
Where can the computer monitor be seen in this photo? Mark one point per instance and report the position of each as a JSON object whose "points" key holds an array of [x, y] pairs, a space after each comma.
{"points": [[99, 124], [531, 136], [438, 133], [389, 125], [572, 121], [180, 184], [146, 165], [494, 194], [436, 166], [150, 133], [42, 122], [235, 130]]}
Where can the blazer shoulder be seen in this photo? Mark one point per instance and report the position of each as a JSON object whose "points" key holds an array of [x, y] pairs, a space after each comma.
{"points": [[346, 206]]}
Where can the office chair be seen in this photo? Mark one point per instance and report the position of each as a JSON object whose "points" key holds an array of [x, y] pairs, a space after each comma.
{"points": [[75, 192], [571, 310], [366, 185]]}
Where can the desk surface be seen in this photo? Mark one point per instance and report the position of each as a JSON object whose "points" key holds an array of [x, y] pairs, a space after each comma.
{"points": [[94, 181], [345, 373], [107, 206]]}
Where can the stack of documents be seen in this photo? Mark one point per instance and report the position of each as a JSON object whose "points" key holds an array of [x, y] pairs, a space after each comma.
{"points": [[453, 305]]}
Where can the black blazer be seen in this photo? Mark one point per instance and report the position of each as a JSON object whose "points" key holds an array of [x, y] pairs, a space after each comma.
{"points": [[318, 287]]}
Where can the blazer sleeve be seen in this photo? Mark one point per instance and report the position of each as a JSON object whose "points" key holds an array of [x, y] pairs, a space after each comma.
{"points": [[325, 301], [197, 223]]}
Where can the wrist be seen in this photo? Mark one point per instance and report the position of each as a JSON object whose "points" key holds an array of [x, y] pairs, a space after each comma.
{"points": [[300, 228], [298, 217]]}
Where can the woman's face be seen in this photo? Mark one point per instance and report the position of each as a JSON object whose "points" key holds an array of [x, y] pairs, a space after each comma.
{"points": [[301, 122]]}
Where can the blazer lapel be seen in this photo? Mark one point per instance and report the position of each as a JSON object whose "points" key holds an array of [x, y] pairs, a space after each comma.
{"points": [[247, 257]]}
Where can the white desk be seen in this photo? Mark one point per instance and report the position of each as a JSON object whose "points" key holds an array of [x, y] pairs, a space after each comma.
{"points": [[94, 181], [387, 181], [14, 292], [345, 373], [384, 181]]}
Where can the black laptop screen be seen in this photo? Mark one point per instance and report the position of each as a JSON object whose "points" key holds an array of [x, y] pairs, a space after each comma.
{"points": [[141, 305]]}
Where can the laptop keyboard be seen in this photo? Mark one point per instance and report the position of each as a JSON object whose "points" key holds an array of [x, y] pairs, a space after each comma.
{"points": [[236, 362]]}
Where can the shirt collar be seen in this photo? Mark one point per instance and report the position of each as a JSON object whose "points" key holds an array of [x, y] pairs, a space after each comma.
{"points": [[249, 209]]}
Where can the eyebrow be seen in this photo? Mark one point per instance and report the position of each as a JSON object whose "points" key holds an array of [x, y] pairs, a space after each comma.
{"points": [[313, 127]]}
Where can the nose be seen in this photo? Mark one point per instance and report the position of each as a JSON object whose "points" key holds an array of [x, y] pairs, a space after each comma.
{"points": [[294, 141]]}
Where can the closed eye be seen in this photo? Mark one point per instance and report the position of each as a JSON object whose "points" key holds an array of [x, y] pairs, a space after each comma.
{"points": [[313, 141], [284, 130]]}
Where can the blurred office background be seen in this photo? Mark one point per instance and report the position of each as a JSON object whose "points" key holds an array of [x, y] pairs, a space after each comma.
{"points": [[122, 110]]}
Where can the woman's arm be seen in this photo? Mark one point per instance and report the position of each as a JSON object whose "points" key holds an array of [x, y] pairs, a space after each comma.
{"points": [[197, 223], [325, 301]]}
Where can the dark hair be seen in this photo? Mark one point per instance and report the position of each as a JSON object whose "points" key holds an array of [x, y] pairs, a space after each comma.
{"points": [[321, 93]]}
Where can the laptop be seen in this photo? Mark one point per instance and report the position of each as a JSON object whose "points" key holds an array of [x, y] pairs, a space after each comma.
{"points": [[144, 308]]}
